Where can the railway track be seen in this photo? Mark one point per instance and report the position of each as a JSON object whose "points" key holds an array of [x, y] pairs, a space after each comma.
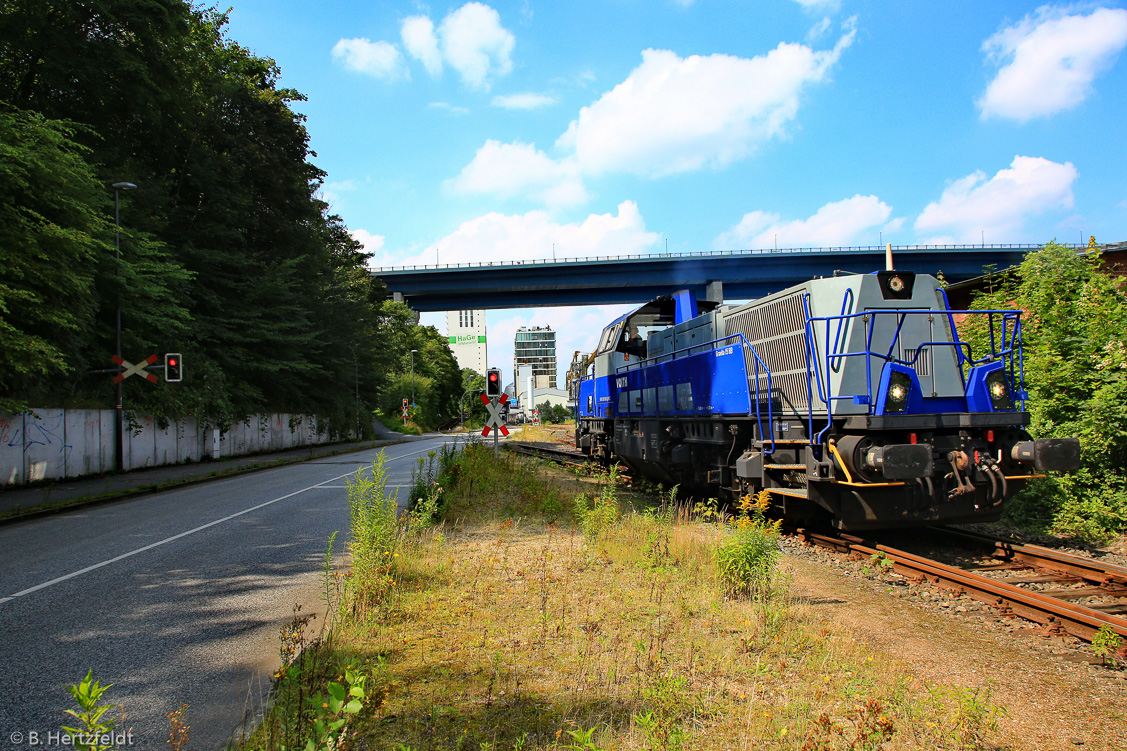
{"points": [[1086, 594], [566, 457], [560, 456]]}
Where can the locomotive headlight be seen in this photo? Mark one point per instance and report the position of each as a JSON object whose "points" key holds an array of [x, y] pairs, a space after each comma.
{"points": [[896, 284], [899, 387], [999, 391]]}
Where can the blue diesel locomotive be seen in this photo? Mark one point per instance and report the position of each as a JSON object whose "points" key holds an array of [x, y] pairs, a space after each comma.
{"points": [[851, 399]]}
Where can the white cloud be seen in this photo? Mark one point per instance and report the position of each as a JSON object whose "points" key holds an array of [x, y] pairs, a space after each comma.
{"points": [[512, 169], [372, 243], [819, 6], [332, 192], [476, 45], [470, 40], [670, 115], [421, 43], [974, 207], [528, 101], [676, 114], [1049, 61], [522, 237], [839, 223], [819, 30], [451, 108], [378, 59]]}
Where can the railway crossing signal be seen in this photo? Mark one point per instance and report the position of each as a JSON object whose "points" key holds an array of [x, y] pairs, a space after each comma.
{"points": [[493, 383], [173, 367], [405, 408]]}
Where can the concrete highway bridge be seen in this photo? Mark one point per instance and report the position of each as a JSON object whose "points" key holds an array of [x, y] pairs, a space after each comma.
{"points": [[718, 275]]}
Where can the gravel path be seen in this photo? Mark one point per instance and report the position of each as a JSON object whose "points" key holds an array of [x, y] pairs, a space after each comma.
{"points": [[1055, 697]]}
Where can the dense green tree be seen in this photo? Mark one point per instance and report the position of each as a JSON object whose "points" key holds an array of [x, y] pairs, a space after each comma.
{"points": [[59, 283], [52, 232], [437, 379], [1075, 326], [228, 255]]}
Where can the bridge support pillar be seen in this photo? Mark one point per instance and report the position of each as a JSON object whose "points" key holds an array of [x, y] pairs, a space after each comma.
{"points": [[714, 291]]}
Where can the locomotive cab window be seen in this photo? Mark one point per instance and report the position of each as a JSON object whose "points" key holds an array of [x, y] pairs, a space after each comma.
{"points": [[610, 337], [631, 333], [657, 315]]}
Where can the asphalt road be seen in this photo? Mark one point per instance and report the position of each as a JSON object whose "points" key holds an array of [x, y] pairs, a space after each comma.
{"points": [[175, 597]]}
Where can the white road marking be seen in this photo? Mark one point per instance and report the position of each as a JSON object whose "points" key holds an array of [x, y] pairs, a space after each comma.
{"points": [[131, 553]]}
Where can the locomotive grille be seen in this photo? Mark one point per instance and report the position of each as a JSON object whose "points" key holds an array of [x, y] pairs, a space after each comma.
{"points": [[777, 331]]}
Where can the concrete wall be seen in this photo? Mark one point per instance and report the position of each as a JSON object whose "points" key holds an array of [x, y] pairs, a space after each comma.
{"points": [[51, 444]]}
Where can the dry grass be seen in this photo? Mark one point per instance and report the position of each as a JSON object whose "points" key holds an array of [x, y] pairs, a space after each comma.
{"points": [[509, 629]]}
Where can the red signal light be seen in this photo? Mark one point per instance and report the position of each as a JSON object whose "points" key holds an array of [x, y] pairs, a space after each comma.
{"points": [[493, 383], [173, 369]]}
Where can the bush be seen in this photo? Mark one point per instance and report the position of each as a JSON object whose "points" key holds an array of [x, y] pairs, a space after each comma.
{"points": [[747, 558], [1075, 363]]}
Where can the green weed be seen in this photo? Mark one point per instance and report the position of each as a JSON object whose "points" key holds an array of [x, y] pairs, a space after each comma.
{"points": [[967, 715], [95, 730], [1106, 644], [602, 511], [374, 535]]}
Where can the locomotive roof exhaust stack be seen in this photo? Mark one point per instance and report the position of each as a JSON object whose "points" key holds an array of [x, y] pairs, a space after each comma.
{"points": [[888, 257], [686, 306]]}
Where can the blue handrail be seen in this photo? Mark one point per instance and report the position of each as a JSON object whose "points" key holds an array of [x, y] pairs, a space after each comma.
{"points": [[1005, 345], [715, 344]]}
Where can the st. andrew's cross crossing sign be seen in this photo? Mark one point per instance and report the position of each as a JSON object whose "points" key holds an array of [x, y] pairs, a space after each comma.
{"points": [[129, 368], [495, 420]]}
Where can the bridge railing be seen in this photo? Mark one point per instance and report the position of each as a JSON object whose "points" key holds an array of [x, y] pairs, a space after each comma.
{"points": [[719, 254]]}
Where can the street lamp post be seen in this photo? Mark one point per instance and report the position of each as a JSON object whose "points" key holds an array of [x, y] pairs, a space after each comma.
{"points": [[119, 444], [462, 405], [413, 377]]}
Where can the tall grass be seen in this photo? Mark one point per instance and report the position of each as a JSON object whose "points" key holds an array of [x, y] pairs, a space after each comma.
{"points": [[374, 525], [523, 618]]}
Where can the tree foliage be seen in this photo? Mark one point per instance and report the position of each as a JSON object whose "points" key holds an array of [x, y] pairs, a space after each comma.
{"points": [[553, 413], [51, 238], [227, 253], [431, 374], [1075, 359]]}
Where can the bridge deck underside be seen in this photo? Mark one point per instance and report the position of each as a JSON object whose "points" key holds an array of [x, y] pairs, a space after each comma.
{"points": [[637, 280]]}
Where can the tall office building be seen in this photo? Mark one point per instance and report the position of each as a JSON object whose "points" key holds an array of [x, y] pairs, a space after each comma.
{"points": [[536, 347], [466, 332]]}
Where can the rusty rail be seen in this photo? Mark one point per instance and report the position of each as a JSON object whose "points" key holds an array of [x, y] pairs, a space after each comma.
{"points": [[1038, 557], [1055, 613], [561, 456]]}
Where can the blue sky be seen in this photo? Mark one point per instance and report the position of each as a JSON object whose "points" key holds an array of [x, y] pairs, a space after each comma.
{"points": [[476, 131]]}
